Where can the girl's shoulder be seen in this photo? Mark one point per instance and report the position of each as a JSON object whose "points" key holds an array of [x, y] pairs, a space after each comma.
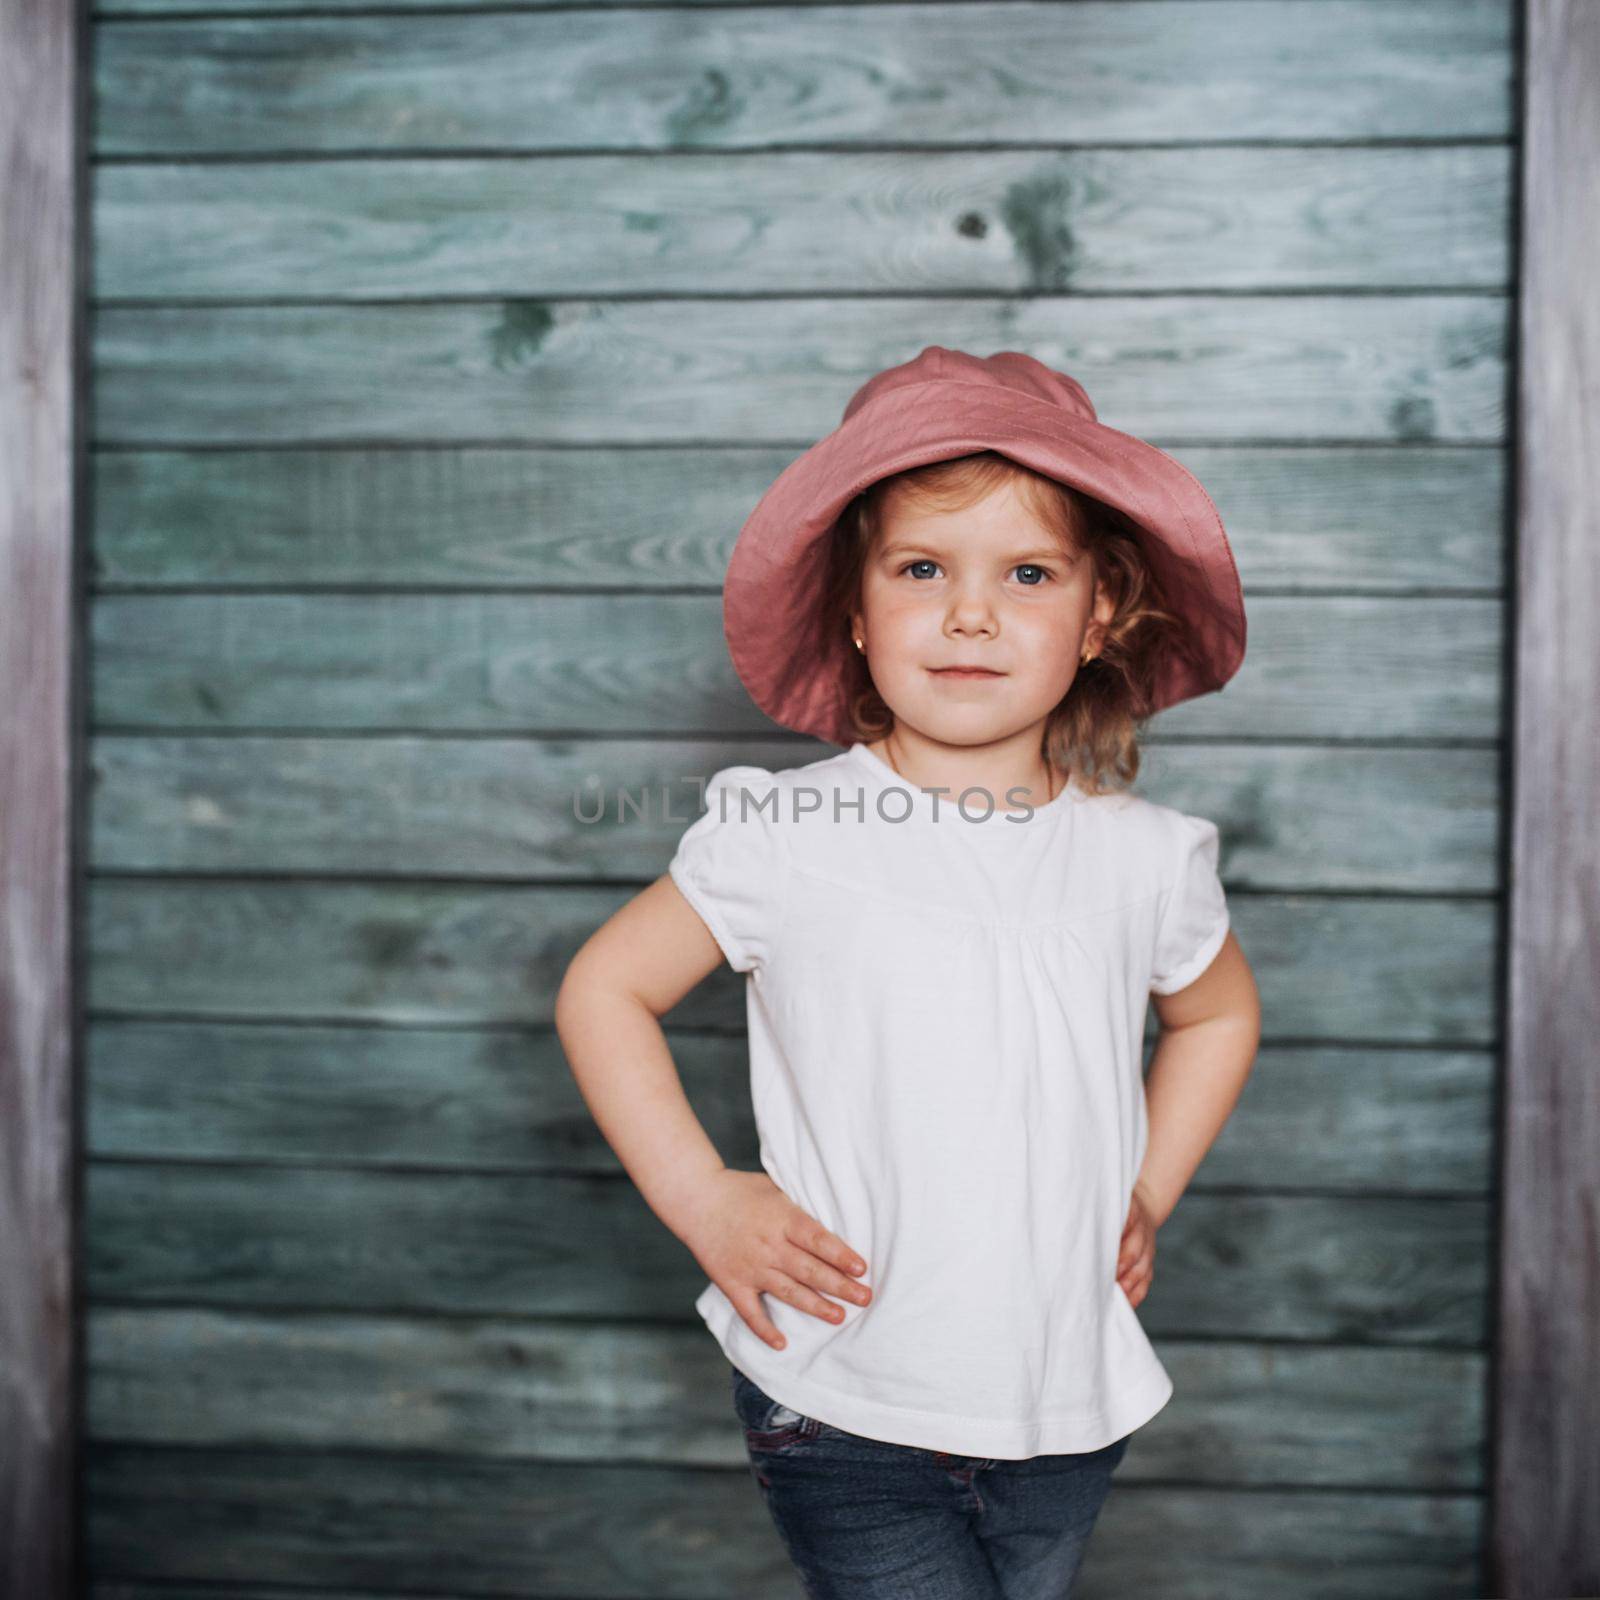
{"points": [[765, 785], [1139, 812], [1149, 846]]}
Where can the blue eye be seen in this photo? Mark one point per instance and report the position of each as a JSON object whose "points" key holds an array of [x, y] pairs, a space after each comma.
{"points": [[1026, 566]]}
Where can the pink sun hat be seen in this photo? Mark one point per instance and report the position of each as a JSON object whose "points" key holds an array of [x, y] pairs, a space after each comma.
{"points": [[945, 403]]}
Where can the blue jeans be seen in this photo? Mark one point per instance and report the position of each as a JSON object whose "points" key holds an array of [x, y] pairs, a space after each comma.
{"points": [[863, 1519]]}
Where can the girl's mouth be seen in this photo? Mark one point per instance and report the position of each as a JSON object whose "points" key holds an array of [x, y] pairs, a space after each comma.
{"points": [[965, 672]]}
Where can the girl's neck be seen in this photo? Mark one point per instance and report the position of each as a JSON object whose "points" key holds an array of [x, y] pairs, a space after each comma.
{"points": [[1050, 784]]}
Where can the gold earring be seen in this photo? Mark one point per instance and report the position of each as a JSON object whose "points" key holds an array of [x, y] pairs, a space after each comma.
{"points": [[859, 645], [1086, 658]]}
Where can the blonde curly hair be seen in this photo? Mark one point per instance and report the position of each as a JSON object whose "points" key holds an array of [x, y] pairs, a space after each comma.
{"points": [[1093, 731]]}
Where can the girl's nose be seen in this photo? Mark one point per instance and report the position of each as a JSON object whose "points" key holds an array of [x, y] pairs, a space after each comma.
{"points": [[971, 616], [971, 606]]}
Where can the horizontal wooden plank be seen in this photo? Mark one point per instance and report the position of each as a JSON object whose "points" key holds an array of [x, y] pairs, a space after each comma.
{"points": [[800, 223], [1317, 517], [1293, 816], [1358, 668], [1390, 1119], [1127, 71], [605, 1532], [1297, 817], [1351, 968], [436, 1098], [474, 1527], [1349, 1117], [1192, 368], [1194, 1543], [1243, 1413], [115, 1588], [149, 8], [1407, 1270]]}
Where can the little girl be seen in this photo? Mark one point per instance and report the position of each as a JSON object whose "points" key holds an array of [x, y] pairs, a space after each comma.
{"points": [[951, 931]]}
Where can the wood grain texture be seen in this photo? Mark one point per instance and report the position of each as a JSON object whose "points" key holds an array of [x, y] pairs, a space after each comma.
{"points": [[1015, 71], [605, 1532], [1105, 221], [1406, 969], [1359, 668], [1546, 1534], [1308, 518], [1398, 1269], [42, 290], [1378, 817], [1336, 1117], [1348, 1416], [1263, 368], [438, 359]]}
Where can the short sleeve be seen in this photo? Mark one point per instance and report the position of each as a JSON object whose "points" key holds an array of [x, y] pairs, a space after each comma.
{"points": [[732, 864], [1194, 915]]}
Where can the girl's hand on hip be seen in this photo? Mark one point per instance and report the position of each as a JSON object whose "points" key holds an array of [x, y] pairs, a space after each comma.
{"points": [[752, 1239], [1136, 1260]]}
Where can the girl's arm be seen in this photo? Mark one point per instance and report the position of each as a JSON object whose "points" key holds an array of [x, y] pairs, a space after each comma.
{"points": [[742, 1229], [1202, 1059]]}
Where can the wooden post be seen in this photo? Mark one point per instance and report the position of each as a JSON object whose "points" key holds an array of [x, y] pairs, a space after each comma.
{"points": [[1546, 1473], [42, 292]]}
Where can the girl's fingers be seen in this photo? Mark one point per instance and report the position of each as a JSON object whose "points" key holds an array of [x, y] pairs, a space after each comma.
{"points": [[802, 1297], [808, 1269], [809, 1235], [747, 1302], [816, 1260], [1140, 1266]]}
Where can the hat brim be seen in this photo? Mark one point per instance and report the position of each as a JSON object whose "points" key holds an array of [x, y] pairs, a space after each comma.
{"points": [[775, 576]]}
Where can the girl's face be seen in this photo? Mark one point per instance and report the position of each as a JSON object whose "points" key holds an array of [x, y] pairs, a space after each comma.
{"points": [[987, 586]]}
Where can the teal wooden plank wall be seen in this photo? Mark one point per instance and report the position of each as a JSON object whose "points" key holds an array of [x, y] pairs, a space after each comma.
{"points": [[437, 356]]}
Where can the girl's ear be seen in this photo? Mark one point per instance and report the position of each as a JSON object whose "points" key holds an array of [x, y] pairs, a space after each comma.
{"points": [[1105, 604]]}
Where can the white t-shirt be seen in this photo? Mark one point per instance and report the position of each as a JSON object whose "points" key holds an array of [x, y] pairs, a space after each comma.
{"points": [[946, 1021]]}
